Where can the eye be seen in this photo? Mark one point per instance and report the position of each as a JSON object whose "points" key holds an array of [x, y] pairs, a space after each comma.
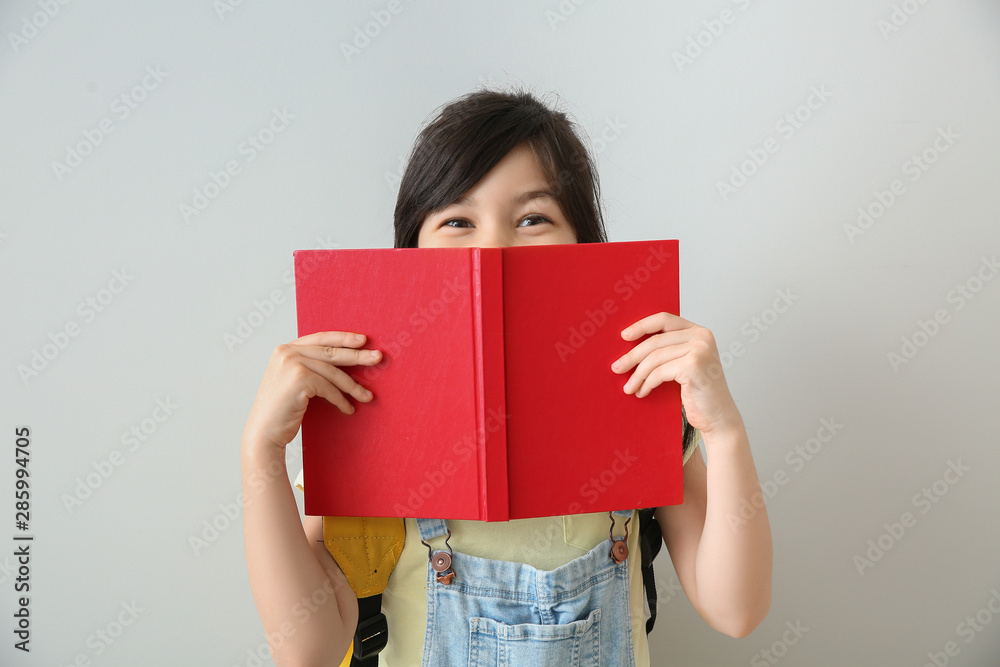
{"points": [[539, 219], [447, 223]]}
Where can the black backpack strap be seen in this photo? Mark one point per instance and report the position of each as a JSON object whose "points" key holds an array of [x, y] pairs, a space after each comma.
{"points": [[372, 634], [650, 541], [650, 534]]}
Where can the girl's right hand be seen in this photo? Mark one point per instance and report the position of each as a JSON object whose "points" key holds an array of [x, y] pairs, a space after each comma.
{"points": [[299, 370]]}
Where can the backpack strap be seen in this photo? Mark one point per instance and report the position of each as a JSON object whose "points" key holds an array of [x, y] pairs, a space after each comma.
{"points": [[650, 541], [650, 533], [366, 549]]}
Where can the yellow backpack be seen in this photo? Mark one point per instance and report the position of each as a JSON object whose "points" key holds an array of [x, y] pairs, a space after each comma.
{"points": [[366, 549]]}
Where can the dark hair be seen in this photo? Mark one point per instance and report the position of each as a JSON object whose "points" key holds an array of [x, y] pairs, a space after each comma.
{"points": [[471, 134]]}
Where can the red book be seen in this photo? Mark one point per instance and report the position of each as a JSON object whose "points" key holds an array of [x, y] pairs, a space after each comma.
{"points": [[495, 397]]}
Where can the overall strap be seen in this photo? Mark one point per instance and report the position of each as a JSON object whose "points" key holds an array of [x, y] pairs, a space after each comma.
{"points": [[619, 545], [440, 561], [431, 528]]}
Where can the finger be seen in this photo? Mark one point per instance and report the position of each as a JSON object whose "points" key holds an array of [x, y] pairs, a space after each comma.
{"points": [[332, 339], [655, 323], [338, 379], [643, 349], [663, 373], [340, 356], [323, 388], [648, 365], [656, 377], [315, 383]]}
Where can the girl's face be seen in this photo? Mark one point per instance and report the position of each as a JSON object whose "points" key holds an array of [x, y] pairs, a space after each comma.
{"points": [[511, 205]]}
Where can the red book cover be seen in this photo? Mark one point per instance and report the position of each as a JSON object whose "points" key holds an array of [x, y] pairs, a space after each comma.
{"points": [[495, 397]]}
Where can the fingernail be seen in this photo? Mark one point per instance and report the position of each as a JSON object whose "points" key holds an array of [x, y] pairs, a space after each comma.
{"points": [[374, 354], [615, 366], [359, 337]]}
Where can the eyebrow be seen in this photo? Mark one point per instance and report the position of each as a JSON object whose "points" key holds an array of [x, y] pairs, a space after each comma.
{"points": [[520, 199]]}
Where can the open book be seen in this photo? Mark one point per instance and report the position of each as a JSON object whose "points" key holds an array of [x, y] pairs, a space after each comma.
{"points": [[495, 398]]}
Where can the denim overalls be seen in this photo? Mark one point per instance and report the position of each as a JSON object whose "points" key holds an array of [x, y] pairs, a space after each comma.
{"points": [[496, 613]]}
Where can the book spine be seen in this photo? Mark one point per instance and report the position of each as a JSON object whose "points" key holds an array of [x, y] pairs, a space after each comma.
{"points": [[491, 404]]}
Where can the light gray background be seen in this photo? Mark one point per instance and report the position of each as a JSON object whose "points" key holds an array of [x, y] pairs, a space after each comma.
{"points": [[665, 136]]}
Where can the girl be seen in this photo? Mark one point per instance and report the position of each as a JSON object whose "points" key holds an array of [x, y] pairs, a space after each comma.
{"points": [[502, 169]]}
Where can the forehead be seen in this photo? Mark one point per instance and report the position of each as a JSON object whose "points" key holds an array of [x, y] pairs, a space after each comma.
{"points": [[523, 157], [518, 175]]}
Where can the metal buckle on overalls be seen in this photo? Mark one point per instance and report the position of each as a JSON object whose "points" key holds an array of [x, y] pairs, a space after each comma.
{"points": [[619, 547], [441, 561]]}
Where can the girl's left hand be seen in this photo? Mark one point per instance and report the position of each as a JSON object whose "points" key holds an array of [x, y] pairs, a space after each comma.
{"points": [[683, 351]]}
